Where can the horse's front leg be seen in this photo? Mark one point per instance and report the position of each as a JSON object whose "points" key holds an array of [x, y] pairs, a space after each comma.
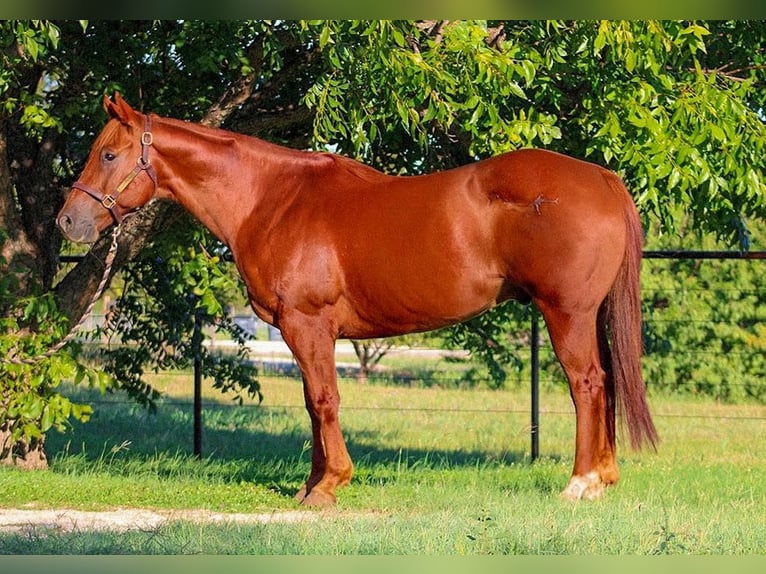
{"points": [[314, 349]]}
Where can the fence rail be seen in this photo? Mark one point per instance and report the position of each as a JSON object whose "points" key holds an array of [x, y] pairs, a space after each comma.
{"points": [[678, 254]]}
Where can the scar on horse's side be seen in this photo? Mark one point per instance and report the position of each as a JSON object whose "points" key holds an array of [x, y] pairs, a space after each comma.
{"points": [[539, 200], [536, 204]]}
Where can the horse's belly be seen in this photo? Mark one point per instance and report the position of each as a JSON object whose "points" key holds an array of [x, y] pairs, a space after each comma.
{"points": [[418, 300]]}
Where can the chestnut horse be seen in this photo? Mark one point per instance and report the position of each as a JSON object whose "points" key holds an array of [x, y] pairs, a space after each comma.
{"points": [[330, 248]]}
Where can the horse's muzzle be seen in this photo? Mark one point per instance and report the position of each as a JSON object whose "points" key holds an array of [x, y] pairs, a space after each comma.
{"points": [[77, 233]]}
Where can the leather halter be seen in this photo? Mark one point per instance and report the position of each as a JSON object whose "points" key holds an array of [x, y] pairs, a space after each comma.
{"points": [[110, 201]]}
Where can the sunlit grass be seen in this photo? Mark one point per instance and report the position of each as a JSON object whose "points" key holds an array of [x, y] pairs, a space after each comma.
{"points": [[439, 471]]}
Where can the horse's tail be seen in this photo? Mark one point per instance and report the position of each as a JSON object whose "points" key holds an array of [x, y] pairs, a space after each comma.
{"points": [[622, 314]]}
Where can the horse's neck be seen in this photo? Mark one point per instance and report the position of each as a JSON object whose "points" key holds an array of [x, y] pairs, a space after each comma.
{"points": [[216, 175]]}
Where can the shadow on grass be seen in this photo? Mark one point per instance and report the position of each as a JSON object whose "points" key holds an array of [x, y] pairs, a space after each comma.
{"points": [[259, 444]]}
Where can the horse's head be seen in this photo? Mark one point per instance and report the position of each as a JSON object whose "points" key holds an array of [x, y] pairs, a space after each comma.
{"points": [[111, 185]]}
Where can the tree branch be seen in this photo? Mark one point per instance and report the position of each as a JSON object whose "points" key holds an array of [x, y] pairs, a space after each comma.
{"points": [[237, 93], [495, 36]]}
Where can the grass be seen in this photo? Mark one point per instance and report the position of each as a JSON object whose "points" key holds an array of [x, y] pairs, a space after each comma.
{"points": [[437, 472]]}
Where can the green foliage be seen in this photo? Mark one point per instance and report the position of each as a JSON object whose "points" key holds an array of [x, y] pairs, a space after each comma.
{"points": [[29, 401], [495, 343], [24, 46], [705, 327], [173, 289], [30, 404], [384, 79], [683, 130]]}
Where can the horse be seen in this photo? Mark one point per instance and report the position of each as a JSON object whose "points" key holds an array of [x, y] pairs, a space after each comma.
{"points": [[331, 248]]}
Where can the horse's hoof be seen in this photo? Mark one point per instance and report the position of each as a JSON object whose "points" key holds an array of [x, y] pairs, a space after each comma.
{"points": [[318, 499], [589, 487]]}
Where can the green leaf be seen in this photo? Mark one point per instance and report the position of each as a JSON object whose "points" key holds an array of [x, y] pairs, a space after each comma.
{"points": [[516, 90], [325, 37], [675, 177], [630, 60], [46, 420], [601, 37], [82, 413], [30, 431]]}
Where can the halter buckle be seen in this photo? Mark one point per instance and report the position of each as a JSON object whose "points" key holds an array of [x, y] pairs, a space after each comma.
{"points": [[109, 201], [147, 138]]}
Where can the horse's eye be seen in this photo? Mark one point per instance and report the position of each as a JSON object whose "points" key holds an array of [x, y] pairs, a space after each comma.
{"points": [[109, 156]]}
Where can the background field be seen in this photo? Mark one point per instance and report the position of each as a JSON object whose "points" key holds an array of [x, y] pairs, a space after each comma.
{"points": [[437, 471]]}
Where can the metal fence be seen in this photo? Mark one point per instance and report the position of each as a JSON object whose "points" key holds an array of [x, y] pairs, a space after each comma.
{"points": [[539, 349]]}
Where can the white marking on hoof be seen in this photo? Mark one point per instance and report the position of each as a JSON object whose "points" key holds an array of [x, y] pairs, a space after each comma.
{"points": [[589, 487]]}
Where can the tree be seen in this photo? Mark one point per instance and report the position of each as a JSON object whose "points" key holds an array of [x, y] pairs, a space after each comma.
{"points": [[369, 353], [675, 107]]}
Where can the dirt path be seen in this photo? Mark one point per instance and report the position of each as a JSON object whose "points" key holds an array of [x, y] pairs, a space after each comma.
{"points": [[121, 520]]}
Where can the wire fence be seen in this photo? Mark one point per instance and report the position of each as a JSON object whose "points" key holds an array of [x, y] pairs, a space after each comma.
{"points": [[217, 405], [703, 336]]}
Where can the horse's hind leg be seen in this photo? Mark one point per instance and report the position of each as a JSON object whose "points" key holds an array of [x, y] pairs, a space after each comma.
{"points": [[314, 350], [575, 339]]}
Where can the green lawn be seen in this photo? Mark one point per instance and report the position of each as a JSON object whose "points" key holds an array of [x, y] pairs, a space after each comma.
{"points": [[437, 472]]}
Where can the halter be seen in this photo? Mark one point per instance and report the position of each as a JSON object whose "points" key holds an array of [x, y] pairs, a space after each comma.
{"points": [[110, 201]]}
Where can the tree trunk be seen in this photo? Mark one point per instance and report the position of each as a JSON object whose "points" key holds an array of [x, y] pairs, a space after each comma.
{"points": [[17, 252], [18, 258], [40, 195], [369, 353], [21, 454]]}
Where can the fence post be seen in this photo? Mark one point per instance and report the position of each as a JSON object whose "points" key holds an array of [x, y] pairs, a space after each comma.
{"points": [[197, 344], [535, 407]]}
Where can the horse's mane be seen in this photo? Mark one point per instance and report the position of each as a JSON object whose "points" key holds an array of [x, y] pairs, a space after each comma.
{"points": [[357, 168]]}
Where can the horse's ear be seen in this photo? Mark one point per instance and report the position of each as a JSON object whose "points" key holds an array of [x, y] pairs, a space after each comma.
{"points": [[118, 108]]}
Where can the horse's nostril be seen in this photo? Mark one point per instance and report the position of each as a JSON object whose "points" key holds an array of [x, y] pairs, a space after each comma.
{"points": [[64, 222]]}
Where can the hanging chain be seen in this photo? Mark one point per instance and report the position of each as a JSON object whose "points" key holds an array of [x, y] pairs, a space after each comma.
{"points": [[108, 261]]}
